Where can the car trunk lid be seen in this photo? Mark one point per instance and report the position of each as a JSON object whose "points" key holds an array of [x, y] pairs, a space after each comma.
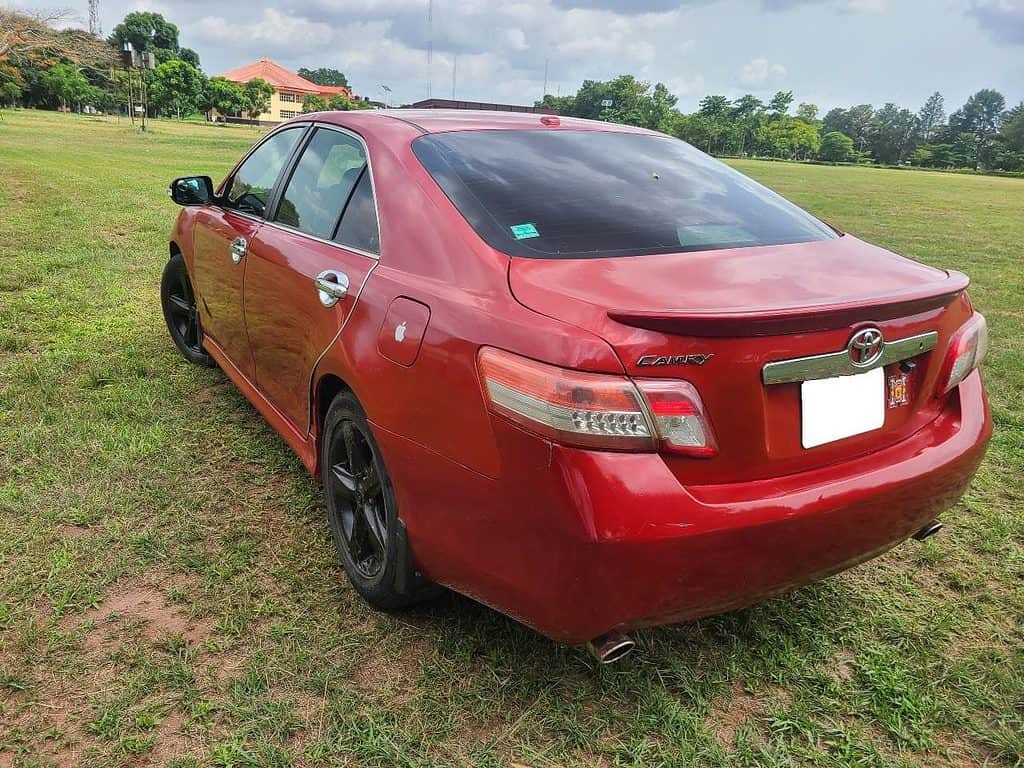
{"points": [[716, 318]]}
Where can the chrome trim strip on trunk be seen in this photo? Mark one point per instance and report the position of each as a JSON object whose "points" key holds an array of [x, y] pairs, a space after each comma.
{"points": [[840, 364]]}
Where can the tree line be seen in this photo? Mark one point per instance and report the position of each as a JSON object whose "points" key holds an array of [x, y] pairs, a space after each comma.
{"points": [[43, 65], [982, 134]]}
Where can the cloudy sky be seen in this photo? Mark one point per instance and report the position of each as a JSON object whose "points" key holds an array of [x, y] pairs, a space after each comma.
{"points": [[829, 52]]}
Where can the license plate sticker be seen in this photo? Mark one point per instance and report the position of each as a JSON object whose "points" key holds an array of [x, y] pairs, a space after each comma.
{"points": [[832, 409], [899, 390]]}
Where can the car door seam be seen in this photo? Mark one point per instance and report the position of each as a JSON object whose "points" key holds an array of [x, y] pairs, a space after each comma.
{"points": [[330, 344]]}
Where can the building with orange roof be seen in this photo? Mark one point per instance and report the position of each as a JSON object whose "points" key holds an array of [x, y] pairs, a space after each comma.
{"points": [[289, 90]]}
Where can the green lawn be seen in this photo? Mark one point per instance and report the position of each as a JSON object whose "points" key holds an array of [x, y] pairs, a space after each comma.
{"points": [[169, 594]]}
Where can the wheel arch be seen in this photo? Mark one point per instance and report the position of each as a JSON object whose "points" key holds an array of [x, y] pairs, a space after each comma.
{"points": [[326, 387]]}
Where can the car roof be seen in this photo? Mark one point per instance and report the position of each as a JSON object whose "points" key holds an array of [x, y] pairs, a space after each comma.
{"points": [[442, 120]]}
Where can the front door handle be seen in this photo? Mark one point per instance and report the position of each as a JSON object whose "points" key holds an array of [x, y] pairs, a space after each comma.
{"points": [[331, 287], [238, 248]]}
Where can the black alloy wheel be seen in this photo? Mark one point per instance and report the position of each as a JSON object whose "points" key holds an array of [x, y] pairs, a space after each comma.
{"points": [[362, 511], [357, 498], [181, 311]]}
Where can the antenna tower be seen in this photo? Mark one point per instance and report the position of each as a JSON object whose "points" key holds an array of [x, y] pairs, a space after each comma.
{"points": [[94, 18]]}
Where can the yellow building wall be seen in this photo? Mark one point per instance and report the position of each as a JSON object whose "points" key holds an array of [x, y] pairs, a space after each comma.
{"points": [[281, 108]]}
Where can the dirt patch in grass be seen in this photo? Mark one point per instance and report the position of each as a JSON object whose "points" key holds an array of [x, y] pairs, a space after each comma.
{"points": [[138, 605], [731, 712], [840, 666], [133, 605], [170, 740], [394, 676]]}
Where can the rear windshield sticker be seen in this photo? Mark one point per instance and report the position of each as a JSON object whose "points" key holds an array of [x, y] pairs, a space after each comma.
{"points": [[524, 231]]}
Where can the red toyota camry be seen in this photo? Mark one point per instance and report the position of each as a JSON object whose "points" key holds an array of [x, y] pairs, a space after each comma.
{"points": [[580, 372]]}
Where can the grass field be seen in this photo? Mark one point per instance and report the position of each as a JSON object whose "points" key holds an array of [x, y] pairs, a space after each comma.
{"points": [[169, 594]]}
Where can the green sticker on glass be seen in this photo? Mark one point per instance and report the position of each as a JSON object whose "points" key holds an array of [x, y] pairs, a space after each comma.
{"points": [[524, 231]]}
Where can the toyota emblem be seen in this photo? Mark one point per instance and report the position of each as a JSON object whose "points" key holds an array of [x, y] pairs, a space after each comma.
{"points": [[866, 347]]}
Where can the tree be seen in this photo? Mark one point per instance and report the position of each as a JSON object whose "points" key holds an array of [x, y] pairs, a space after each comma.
{"points": [[891, 134], [10, 91], [855, 122], [147, 31], [663, 103], [32, 35], [804, 139], [808, 112], [256, 97], [982, 115], [324, 76], [836, 147], [314, 103], [965, 152], [563, 105], [222, 95], [747, 111], [343, 103], [931, 117], [1012, 130], [714, 106], [177, 87], [780, 103], [189, 56], [66, 84]]}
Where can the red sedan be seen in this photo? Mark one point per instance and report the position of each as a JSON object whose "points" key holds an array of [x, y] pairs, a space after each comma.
{"points": [[580, 372]]}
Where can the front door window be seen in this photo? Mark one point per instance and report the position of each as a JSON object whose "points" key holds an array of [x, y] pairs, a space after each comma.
{"points": [[252, 183]]}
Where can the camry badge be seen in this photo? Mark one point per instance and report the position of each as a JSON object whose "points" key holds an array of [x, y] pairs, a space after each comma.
{"points": [[649, 361], [866, 347]]}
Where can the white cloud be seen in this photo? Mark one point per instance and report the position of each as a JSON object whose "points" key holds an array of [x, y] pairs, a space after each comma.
{"points": [[760, 71]]}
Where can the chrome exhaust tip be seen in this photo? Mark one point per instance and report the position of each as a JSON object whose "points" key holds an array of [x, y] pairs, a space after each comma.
{"points": [[929, 530], [610, 647]]}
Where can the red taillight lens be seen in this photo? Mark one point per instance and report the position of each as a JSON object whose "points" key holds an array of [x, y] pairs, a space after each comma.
{"points": [[593, 410], [966, 351], [679, 417], [585, 409]]}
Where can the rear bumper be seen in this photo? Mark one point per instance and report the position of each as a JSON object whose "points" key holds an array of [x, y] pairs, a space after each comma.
{"points": [[575, 543]]}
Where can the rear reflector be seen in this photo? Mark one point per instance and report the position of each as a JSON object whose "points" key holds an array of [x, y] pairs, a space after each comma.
{"points": [[966, 352], [593, 410]]}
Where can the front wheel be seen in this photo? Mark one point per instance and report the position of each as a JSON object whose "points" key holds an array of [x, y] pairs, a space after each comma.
{"points": [[181, 312], [362, 512]]}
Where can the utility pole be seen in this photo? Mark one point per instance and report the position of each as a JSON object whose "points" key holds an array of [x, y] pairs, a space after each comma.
{"points": [[455, 66], [430, 45], [545, 80]]}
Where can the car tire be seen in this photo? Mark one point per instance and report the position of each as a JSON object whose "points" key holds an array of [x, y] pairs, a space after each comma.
{"points": [[181, 312], [363, 514]]}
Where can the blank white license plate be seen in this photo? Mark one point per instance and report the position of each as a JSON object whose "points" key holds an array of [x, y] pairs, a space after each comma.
{"points": [[832, 409]]}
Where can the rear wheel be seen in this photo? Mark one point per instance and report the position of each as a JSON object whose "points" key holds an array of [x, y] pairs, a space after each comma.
{"points": [[362, 512], [181, 311]]}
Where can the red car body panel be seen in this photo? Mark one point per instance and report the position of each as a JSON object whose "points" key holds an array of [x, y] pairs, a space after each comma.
{"points": [[578, 542]]}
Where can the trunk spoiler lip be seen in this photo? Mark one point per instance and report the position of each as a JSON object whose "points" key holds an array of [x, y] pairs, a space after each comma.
{"points": [[775, 321]]}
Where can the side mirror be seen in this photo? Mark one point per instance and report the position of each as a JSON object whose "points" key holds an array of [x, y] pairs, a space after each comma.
{"points": [[191, 190]]}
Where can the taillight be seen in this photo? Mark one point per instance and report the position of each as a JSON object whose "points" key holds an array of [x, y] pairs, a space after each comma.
{"points": [[594, 410], [966, 350], [679, 418]]}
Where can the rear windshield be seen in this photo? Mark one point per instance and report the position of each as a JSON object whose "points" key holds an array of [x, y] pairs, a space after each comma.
{"points": [[589, 194]]}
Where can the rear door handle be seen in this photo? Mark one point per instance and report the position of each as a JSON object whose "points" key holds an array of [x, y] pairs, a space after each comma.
{"points": [[238, 249], [331, 287]]}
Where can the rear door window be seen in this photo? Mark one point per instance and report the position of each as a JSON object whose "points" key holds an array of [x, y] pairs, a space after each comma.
{"points": [[321, 183], [585, 194], [359, 228]]}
